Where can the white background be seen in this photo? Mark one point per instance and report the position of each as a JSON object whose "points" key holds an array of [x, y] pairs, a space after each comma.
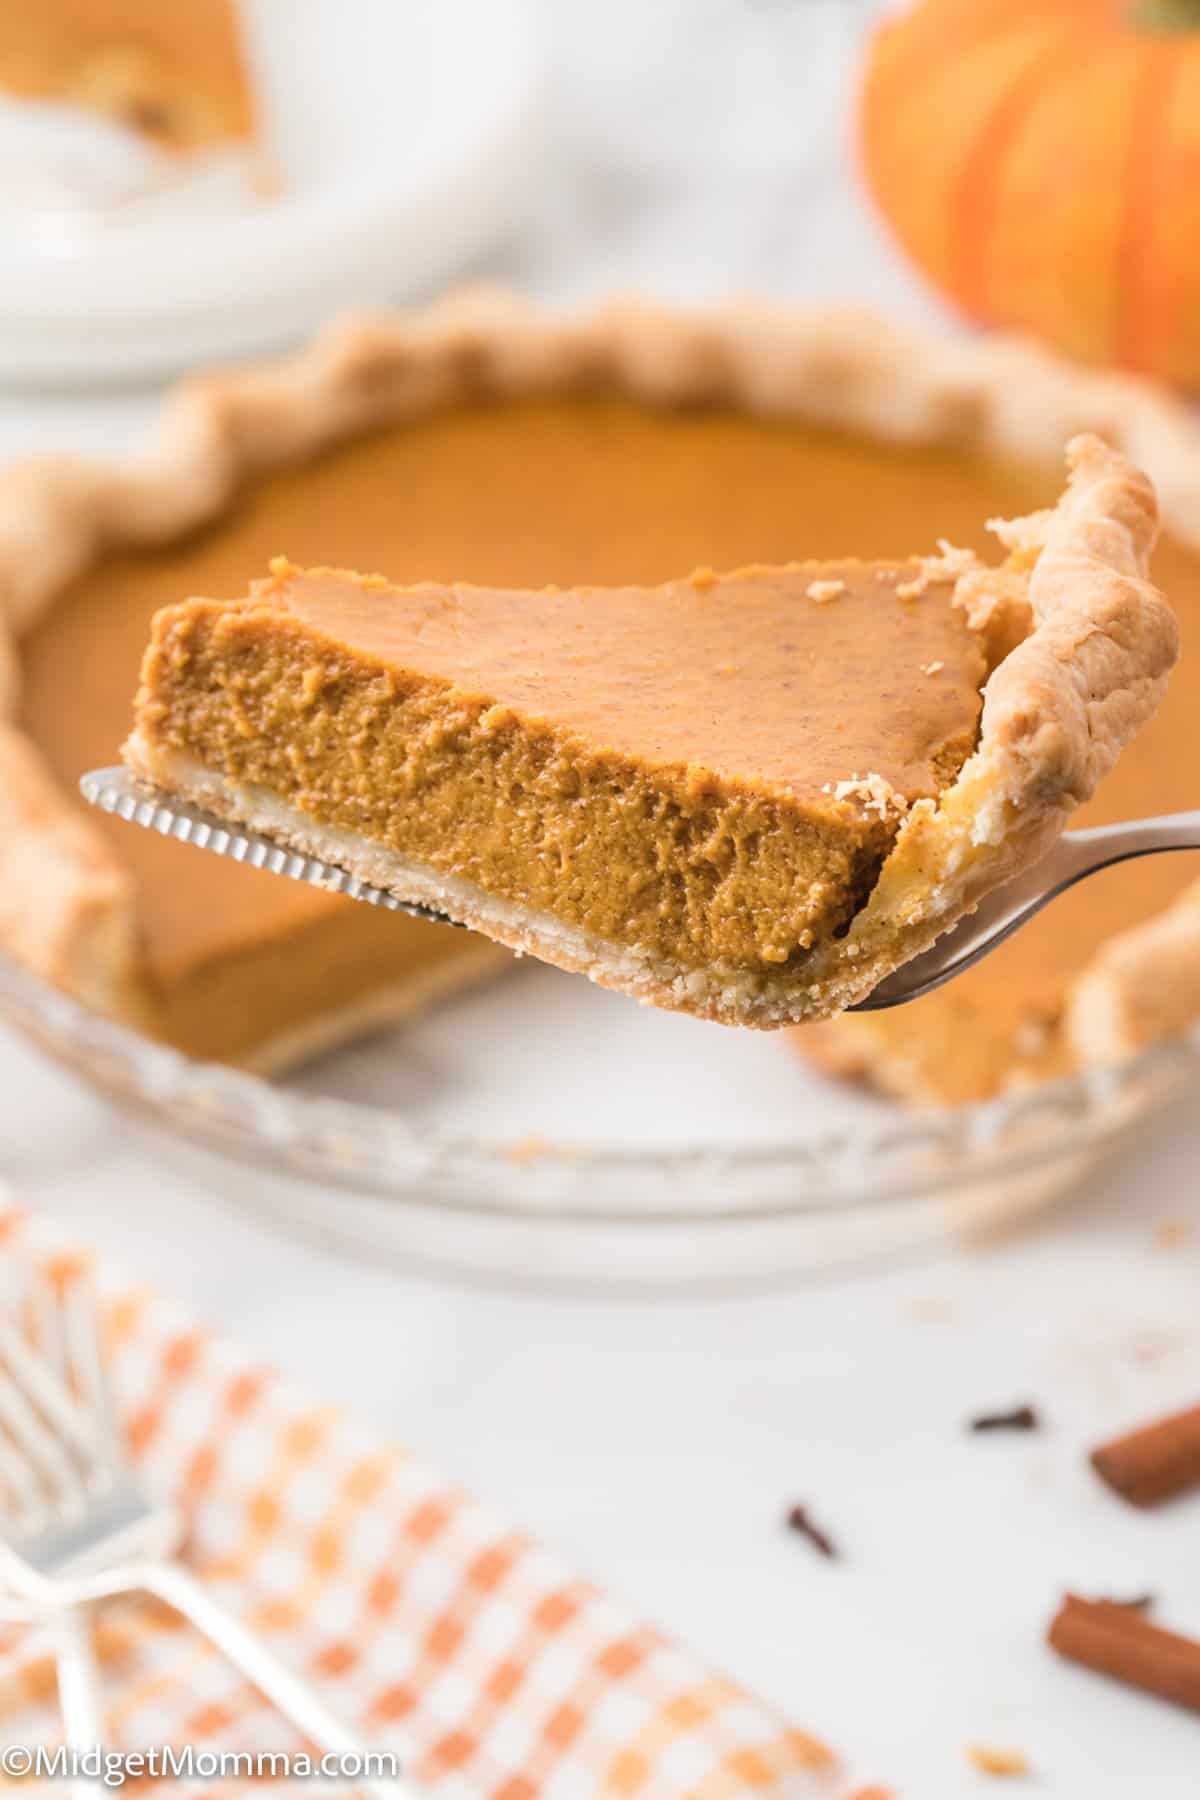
{"points": [[658, 1444]]}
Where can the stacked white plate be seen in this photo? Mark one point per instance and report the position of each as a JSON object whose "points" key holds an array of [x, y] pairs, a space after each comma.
{"points": [[402, 141]]}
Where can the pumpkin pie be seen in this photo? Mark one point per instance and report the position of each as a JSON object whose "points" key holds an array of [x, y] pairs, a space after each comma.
{"points": [[747, 797], [628, 446], [175, 74]]}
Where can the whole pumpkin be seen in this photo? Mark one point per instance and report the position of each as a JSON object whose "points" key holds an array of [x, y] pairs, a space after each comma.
{"points": [[1040, 161]]}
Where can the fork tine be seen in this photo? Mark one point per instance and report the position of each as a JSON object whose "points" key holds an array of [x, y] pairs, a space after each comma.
{"points": [[44, 1403], [37, 1414], [33, 1462], [81, 1322], [45, 1388], [24, 1496], [44, 1329]]}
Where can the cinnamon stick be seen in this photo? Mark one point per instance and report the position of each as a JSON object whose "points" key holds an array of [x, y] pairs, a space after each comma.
{"points": [[1018, 1418], [1155, 1463], [1117, 1641]]}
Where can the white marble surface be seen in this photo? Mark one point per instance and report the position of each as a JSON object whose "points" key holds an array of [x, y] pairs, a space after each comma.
{"points": [[658, 1443]]}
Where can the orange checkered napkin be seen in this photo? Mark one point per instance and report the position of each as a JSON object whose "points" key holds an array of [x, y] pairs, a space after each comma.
{"points": [[437, 1630]]}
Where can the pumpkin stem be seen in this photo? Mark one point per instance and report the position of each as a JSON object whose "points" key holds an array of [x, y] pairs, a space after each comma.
{"points": [[1165, 15]]}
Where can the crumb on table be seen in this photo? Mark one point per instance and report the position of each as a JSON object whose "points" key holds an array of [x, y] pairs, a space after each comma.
{"points": [[992, 1761]]}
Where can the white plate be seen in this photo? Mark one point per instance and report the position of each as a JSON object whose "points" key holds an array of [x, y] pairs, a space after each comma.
{"points": [[405, 136]]}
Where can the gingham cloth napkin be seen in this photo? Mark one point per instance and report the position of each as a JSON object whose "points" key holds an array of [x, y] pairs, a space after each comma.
{"points": [[433, 1627]]}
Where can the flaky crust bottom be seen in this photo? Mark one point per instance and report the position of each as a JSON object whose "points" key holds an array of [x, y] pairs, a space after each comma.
{"points": [[988, 395]]}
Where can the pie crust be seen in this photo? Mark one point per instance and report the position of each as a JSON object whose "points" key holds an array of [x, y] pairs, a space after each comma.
{"points": [[232, 713], [990, 395]]}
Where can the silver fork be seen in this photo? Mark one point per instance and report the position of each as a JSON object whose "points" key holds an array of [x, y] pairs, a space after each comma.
{"points": [[85, 1530], [43, 1479], [1076, 855]]}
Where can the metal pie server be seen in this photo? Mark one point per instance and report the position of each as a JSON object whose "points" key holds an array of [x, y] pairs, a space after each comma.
{"points": [[127, 797]]}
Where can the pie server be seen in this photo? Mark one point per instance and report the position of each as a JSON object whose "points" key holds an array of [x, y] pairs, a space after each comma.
{"points": [[128, 797], [1075, 856]]}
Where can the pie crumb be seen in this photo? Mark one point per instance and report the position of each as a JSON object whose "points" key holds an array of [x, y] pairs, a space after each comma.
{"points": [[950, 564], [1022, 538], [933, 668], [1169, 1234], [821, 591], [875, 792], [991, 1761], [931, 1309], [528, 1149]]}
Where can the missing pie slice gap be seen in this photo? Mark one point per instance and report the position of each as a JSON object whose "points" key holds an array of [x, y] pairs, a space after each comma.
{"points": [[748, 796]]}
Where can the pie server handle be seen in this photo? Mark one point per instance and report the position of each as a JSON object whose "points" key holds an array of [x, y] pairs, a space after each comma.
{"points": [[1075, 856]]}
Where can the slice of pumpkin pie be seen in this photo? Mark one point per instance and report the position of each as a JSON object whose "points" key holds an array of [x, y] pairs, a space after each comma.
{"points": [[177, 75], [746, 796]]}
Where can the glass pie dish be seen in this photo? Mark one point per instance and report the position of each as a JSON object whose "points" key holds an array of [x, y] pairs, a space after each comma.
{"points": [[541, 1130]]}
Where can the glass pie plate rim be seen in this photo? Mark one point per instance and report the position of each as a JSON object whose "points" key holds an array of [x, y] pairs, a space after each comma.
{"points": [[377, 1152]]}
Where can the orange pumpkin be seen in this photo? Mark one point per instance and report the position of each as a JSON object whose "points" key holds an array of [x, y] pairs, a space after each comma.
{"points": [[1040, 161]]}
